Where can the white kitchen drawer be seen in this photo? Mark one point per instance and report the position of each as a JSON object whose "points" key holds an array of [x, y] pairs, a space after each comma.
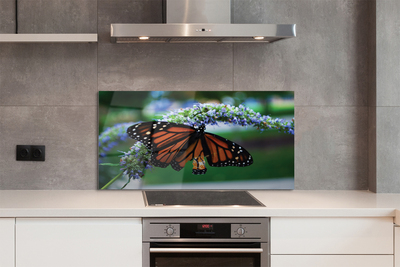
{"points": [[78, 242], [332, 260], [332, 235], [7, 244]]}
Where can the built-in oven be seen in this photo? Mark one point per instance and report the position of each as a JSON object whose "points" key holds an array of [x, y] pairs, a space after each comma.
{"points": [[195, 242]]}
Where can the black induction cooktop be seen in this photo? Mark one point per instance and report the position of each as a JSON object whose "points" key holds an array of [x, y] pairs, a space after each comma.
{"points": [[200, 198]]}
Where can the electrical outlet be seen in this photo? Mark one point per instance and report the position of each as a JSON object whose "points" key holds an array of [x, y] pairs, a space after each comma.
{"points": [[31, 153], [23, 152], [38, 153]]}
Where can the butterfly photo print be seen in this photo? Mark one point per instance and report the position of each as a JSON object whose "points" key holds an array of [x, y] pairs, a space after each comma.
{"points": [[196, 140]]}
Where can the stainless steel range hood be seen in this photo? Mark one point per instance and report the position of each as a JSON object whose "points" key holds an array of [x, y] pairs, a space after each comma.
{"points": [[188, 21]]}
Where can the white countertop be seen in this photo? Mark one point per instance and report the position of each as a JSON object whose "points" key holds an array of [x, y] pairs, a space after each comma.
{"points": [[115, 203]]}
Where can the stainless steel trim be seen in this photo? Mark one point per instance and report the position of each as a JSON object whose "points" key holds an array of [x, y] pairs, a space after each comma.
{"points": [[158, 220], [146, 203], [265, 256], [151, 224], [259, 202], [263, 239], [206, 250], [146, 255], [205, 240], [195, 32], [198, 11]]}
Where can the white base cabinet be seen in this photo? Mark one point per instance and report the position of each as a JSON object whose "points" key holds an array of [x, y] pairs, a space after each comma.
{"points": [[332, 235], [78, 242], [352, 242], [332, 260], [7, 243], [104, 242]]}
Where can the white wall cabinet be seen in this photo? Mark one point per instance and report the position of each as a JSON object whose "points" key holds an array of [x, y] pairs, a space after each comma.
{"points": [[78, 242], [7, 244], [332, 242]]}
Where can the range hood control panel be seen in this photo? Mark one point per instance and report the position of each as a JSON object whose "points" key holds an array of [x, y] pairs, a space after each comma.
{"points": [[203, 30]]}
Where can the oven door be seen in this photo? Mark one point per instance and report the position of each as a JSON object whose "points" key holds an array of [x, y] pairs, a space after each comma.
{"points": [[181, 254]]}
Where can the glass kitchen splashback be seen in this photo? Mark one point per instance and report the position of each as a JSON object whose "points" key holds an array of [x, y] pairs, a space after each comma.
{"points": [[196, 140]]}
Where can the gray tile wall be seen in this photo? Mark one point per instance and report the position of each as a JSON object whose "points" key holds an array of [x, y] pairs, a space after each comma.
{"points": [[7, 16], [57, 16], [387, 96], [48, 92]]}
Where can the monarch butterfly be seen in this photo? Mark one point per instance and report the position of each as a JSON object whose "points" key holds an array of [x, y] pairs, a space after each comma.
{"points": [[175, 144]]}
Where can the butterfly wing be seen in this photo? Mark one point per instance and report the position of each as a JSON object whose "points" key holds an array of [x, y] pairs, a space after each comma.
{"points": [[165, 140], [176, 144], [142, 132], [222, 152], [194, 150]]}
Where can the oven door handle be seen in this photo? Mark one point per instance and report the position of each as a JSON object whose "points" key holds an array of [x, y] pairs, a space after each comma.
{"points": [[206, 250]]}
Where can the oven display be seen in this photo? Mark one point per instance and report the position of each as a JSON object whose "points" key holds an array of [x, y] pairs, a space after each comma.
{"points": [[205, 230], [205, 227]]}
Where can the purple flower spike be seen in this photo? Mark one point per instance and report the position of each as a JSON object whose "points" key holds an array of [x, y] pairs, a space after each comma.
{"points": [[211, 114]]}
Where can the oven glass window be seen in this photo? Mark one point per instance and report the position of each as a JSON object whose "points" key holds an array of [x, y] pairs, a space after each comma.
{"points": [[204, 260]]}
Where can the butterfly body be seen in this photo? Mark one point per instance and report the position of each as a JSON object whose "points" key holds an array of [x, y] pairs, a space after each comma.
{"points": [[199, 166], [175, 144]]}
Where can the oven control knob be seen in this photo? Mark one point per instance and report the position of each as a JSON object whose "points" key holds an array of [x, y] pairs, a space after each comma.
{"points": [[240, 231], [170, 231]]}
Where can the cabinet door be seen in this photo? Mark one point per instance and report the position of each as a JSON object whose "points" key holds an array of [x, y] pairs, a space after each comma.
{"points": [[7, 234], [332, 260], [397, 246], [332, 235], [78, 242]]}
